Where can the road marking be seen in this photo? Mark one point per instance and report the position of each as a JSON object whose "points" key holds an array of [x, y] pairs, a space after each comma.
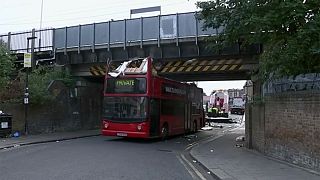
{"points": [[184, 160], [185, 166]]}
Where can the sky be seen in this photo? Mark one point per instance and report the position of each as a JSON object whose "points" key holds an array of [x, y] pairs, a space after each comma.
{"points": [[22, 15]]}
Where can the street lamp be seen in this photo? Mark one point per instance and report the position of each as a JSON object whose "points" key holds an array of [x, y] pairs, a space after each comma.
{"points": [[28, 66], [41, 14]]}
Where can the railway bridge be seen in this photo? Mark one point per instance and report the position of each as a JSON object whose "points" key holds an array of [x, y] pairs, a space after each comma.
{"points": [[177, 42]]}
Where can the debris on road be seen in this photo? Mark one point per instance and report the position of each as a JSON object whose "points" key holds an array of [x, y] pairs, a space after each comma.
{"points": [[240, 139], [207, 128], [239, 145], [16, 134], [216, 126], [211, 150], [194, 161]]}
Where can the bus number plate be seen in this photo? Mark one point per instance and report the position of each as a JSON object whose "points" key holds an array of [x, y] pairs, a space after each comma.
{"points": [[122, 134]]}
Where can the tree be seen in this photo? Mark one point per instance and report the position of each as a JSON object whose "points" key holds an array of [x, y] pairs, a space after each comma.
{"points": [[288, 30], [6, 66], [39, 80]]}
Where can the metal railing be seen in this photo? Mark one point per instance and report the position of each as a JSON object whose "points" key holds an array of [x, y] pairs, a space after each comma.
{"points": [[123, 32], [132, 31], [18, 42]]}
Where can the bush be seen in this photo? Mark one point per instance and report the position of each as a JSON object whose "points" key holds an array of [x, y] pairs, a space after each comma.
{"points": [[39, 81]]}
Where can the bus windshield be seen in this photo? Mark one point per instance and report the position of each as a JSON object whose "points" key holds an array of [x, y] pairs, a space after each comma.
{"points": [[125, 108]]}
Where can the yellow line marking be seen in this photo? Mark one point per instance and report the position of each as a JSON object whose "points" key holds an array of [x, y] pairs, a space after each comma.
{"points": [[197, 69], [224, 67], [172, 69], [185, 63], [100, 68], [169, 64], [241, 67], [177, 63], [95, 73], [189, 68], [233, 67], [164, 69], [180, 69], [214, 68], [206, 68]]}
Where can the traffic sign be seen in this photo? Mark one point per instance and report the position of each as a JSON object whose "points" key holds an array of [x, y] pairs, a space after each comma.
{"points": [[26, 100], [27, 60]]}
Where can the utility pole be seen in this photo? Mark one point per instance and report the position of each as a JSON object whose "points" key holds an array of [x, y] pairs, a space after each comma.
{"points": [[29, 62], [40, 31]]}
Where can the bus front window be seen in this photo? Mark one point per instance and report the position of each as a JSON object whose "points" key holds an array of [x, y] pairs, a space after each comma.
{"points": [[125, 108]]}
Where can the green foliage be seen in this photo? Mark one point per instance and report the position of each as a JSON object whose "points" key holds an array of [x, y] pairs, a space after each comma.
{"points": [[39, 81], [6, 66], [288, 30]]}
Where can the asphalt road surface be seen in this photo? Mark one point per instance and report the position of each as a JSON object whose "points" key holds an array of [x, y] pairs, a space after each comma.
{"points": [[104, 158]]}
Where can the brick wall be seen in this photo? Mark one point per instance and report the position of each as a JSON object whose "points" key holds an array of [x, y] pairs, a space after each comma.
{"points": [[290, 127]]}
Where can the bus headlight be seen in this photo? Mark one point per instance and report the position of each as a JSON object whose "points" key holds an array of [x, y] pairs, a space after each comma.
{"points": [[139, 127], [105, 124]]}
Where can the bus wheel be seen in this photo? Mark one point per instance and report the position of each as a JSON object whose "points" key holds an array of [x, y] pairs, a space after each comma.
{"points": [[195, 128], [164, 132]]}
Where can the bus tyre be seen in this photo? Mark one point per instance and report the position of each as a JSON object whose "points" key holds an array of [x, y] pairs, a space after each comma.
{"points": [[195, 127], [164, 132]]}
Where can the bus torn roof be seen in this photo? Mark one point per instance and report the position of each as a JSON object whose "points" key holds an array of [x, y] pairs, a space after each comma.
{"points": [[131, 67]]}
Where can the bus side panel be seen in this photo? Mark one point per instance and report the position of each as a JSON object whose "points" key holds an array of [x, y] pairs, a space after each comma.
{"points": [[154, 117], [172, 113], [187, 120]]}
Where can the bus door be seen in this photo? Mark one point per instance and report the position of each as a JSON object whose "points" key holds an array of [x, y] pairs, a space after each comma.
{"points": [[154, 117], [187, 120]]}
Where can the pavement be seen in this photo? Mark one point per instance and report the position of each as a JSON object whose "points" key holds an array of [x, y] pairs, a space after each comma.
{"points": [[6, 143], [228, 159], [222, 156]]}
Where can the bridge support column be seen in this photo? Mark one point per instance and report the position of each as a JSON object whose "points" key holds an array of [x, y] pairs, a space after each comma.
{"points": [[254, 124]]}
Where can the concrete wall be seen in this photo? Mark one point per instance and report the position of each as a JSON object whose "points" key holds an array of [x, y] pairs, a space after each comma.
{"points": [[73, 109], [287, 126]]}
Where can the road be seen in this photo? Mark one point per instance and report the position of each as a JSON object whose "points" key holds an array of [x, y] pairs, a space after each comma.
{"points": [[105, 158]]}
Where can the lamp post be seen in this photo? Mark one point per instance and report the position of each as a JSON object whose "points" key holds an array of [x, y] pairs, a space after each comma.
{"points": [[28, 64], [41, 14]]}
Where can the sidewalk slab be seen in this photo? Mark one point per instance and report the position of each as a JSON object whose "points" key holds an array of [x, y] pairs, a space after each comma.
{"points": [[43, 138], [226, 161]]}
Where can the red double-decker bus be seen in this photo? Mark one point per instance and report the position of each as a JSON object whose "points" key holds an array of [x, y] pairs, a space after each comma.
{"points": [[139, 104]]}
